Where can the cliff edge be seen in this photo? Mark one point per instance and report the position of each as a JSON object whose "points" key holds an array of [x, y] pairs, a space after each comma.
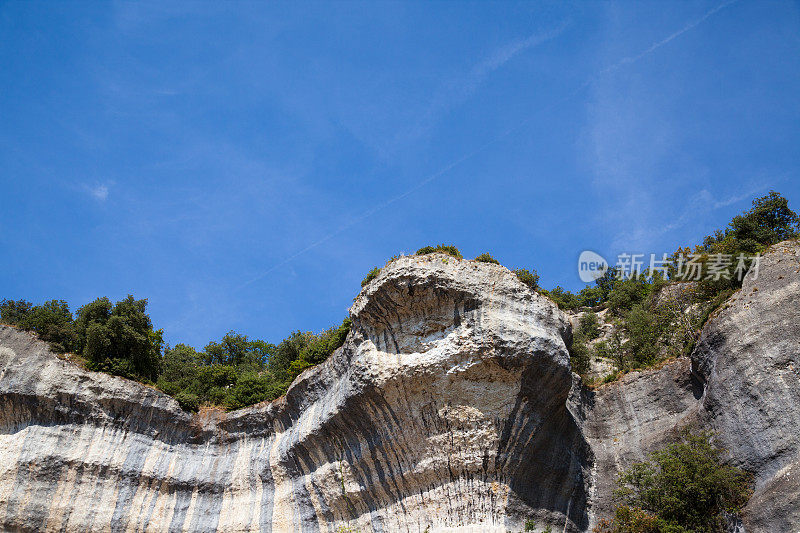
{"points": [[450, 405]]}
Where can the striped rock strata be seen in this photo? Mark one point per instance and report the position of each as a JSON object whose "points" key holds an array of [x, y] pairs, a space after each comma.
{"points": [[450, 406], [446, 407]]}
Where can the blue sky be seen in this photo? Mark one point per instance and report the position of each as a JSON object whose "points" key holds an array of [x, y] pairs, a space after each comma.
{"points": [[243, 165]]}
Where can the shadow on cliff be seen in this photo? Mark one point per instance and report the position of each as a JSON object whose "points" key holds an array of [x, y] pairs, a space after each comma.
{"points": [[543, 455]]}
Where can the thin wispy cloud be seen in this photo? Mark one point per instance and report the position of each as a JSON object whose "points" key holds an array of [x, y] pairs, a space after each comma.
{"points": [[700, 203], [457, 89], [635, 138], [666, 40], [99, 192], [468, 85]]}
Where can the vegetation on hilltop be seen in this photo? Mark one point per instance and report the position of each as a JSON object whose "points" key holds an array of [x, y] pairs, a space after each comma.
{"points": [[237, 371], [487, 258], [651, 325], [528, 277], [372, 274], [440, 248], [120, 339]]}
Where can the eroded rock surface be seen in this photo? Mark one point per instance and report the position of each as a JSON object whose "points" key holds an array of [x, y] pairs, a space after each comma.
{"points": [[445, 407], [743, 382], [451, 405]]}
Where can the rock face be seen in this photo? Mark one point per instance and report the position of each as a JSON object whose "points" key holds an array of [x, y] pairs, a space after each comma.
{"points": [[450, 405], [749, 358], [445, 407]]}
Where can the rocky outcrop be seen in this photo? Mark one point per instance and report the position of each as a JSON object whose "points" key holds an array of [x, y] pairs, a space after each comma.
{"points": [[445, 407], [450, 405], [749, 358], [742, 382]]}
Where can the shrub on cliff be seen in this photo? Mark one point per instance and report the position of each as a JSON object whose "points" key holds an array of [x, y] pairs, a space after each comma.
{"points": [[531, 279], [486, 258], [590, 326], [443, 248], [627, 293], [188, 401], [235, 349], [52, 322], [769, 221], [563, 298], [179, 369], [252, 388], [684, 487], [580, 355], [372, 274], [321, 346]]}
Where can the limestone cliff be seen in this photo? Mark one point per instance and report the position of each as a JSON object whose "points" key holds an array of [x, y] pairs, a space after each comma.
{"points": [[451, 404]]}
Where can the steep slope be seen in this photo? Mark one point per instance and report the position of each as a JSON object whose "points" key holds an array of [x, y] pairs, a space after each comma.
{"points": [[749, 357], [743, 382], [451, 404], [445, 407]]}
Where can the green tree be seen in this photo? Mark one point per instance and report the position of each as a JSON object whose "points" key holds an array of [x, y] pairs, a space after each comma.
{"points": [[12, 312], [121, 339], [179, 370], [769, 221], [287, 351], [231, 350], [580, 355], [687, 486], [252, 388], [52, 322], [319, 347], [644, 328], [589, 326], [626, 293], [563, 298], [590, 296], [188, 400]]}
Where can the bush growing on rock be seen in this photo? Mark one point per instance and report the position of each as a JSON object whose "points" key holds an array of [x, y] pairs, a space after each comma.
{"points": [[686, 486], [443, 248], [769, 221], [580, 357], [486, 258], [627, 293], [531, 279], [590, 296], [563, 298], [52, 322], [590, 326], [321, 346], [372, 274], [119, 339], [252, 388], [580, 353], [188, 401]]}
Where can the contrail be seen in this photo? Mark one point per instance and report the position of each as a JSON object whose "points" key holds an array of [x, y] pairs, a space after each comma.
{"points": [[366, 214], [655, 46], [375, 209]]}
